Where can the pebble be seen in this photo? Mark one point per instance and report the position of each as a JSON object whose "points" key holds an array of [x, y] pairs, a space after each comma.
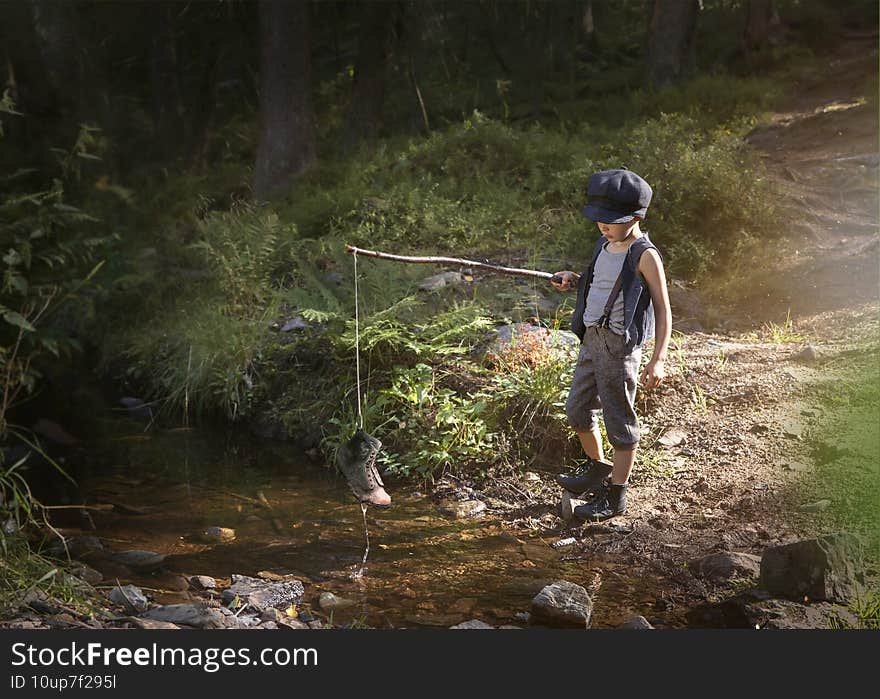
{"points": [[813, 507], [672, 438], [203, 582], [329, 601]]}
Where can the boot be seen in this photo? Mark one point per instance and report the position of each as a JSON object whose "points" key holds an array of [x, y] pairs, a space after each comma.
{"points": [[610, 501], [356, 460], [588, 477]]}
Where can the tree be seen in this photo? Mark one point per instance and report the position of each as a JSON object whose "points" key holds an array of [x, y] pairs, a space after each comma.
{"points": [[671, 41], [368, 91], [287, 132], [761, 22]]}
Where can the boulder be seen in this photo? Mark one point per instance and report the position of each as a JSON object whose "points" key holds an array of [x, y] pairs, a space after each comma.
{"points": [[828, 568], [462, 509], [562, 603], [752, 609], [473, 624], [193, 614], [724, 565], [130, 597], [261, 594]]}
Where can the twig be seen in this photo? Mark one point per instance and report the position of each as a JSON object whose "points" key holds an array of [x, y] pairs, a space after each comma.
{"points": [[512, 271]]}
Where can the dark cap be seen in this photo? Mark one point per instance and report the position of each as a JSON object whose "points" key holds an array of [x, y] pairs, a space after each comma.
{"points": [[617, 196]]}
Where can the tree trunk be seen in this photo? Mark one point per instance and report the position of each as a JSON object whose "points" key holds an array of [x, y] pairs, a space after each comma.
{"points": [[287, 131], [761, 21], [166, 104], [671, 41], [368, 92], [30, 80]]}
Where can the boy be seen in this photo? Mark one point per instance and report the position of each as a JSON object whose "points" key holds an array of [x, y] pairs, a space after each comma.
{"points": [[619, 296]]}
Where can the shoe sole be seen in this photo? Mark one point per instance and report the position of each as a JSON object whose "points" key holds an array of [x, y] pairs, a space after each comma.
{"points": [[596, 520]]}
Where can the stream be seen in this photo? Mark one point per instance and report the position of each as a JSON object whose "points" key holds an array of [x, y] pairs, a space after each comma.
{"points": [[158, 490]]}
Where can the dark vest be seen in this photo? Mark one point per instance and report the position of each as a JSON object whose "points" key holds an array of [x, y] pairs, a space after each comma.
{"points": [[638, 313]]}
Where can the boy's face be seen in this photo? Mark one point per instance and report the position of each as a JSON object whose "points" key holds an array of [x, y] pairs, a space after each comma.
{"points": [[616, 232]]}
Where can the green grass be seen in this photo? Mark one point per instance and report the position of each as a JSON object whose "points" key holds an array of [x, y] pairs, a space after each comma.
{"points": [[845, 445]]}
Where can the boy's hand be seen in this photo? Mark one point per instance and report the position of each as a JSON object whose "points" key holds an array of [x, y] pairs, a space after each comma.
{"points": [[565, 281], [654, 373]]}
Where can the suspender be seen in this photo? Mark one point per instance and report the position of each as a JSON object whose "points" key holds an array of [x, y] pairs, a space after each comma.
{"points": [[605, 320]]}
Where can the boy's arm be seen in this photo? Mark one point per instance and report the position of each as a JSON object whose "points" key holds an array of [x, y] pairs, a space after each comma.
{"points": [[651, 269]]}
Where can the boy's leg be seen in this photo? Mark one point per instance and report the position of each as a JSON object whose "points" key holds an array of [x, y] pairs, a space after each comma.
{"points": [[623, 464], [591, 441], [616, 378], [582, 408]]}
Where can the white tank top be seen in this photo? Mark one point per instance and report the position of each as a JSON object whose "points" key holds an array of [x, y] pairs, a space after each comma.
{"points": [[605, 273]]}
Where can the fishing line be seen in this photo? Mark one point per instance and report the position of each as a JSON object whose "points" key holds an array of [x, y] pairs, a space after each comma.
{"points": [[357, 356], [357, 342]]}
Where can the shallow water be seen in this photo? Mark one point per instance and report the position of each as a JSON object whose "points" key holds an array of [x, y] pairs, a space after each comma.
{"points": [[423, 569]]}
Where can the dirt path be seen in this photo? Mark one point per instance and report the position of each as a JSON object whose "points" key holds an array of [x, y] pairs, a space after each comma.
{"points": [[741, 401]]}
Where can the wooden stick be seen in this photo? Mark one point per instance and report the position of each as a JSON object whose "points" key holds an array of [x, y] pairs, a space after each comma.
{"points": [[513, 271]]}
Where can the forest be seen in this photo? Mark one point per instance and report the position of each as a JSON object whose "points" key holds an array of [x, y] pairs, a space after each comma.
{"points": [[178, 184]]}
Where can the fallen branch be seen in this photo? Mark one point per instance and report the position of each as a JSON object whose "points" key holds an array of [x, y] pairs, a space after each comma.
{"points": [[512, 271]]}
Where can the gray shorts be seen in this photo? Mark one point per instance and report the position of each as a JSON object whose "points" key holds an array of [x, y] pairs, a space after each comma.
{"points": [[605, 381]]}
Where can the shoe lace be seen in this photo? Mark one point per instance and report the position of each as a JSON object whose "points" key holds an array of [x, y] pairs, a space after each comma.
{"points": [[583, 468]]}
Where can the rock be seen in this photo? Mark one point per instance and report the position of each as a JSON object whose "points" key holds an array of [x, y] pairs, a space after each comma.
{"points": [[296, 323], [725, 565], [328, 601], [792, 428], [130, 597], [562, 543], [637, 623], [753, 609], [292, 624], [562, 603], [269, 625], [261, 594], [797, 467], [136, 408], [813, 507], [828, 568], [462, 509], [139, 560], [672, 438], [473, 624], [438, 281], [86, 573], [150, 624], [77, 547], [216, 535], [203, 582], [272, 614], [807, 355], [54, 432], [507, 336], [193, 614]]}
